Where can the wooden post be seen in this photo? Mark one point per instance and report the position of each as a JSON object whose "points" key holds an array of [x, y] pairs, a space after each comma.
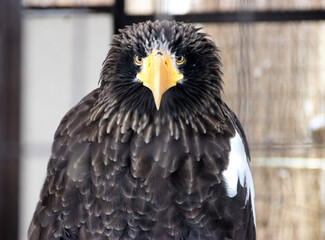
{"points": [[9, 117]]}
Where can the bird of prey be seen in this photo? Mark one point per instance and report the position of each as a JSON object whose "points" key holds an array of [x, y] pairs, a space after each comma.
{"points": [[152, 153]]}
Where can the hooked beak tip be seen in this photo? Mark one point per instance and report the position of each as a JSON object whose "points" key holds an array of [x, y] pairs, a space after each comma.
{"points": [[157, 102]]}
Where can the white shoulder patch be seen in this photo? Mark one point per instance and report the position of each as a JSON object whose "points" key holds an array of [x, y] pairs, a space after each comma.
{"points": [[239, 170]]}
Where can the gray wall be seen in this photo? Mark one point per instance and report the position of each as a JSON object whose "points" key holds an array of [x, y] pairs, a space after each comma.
{"points": [[61, 62]]}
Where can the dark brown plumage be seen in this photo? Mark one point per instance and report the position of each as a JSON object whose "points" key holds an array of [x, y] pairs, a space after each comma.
{"points": [[121, 169]]}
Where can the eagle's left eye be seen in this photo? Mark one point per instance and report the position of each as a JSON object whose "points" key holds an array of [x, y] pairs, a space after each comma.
{"points": [[138, 60], [180, 60]]}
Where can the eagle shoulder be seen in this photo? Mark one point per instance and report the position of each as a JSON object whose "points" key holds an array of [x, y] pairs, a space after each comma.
{"points": [[238, 172]]}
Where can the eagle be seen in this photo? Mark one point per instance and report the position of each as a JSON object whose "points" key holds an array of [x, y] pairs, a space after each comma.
{"points": [[152, 153]]}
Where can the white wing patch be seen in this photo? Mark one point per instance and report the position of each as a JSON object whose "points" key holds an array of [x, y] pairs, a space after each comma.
{"points": [[238, 169]]}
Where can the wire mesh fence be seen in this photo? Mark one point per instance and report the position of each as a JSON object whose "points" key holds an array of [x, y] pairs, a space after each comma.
{"points": [[274, 81]]}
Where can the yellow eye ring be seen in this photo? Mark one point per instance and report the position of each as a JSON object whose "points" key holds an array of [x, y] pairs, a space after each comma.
{"points": [[138, 60], [180, 60]]}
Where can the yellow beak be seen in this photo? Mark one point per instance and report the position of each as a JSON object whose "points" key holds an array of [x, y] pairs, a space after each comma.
{"points": [[159, 73]]}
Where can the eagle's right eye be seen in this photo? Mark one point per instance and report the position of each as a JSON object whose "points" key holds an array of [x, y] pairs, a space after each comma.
{"points": [[138, 60]]}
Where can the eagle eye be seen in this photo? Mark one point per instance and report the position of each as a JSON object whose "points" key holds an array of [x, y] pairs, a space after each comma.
{"points": [[180, 60], [138, 60]]}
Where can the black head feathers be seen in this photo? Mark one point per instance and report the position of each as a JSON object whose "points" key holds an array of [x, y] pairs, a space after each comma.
{"points": [[200, 85]]}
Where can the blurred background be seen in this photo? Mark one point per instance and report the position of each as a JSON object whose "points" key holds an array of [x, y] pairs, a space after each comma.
{"points": [[273, 54]]}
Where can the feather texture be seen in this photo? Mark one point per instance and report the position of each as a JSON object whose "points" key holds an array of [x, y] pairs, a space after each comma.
{"points": [[119, 169]]}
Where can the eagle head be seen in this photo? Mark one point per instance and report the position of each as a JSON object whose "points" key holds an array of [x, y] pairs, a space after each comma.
{"points": [[162, 66]]}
